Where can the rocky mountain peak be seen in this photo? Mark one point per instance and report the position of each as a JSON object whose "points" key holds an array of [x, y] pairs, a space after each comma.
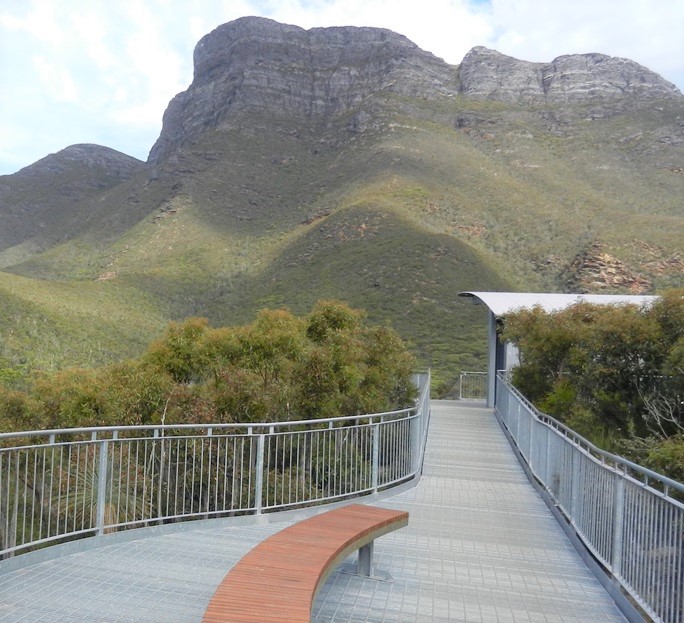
{"points": [[489, 74], [95, 157], [255, 64], [39, 197], [251, 42], [258, 64]]}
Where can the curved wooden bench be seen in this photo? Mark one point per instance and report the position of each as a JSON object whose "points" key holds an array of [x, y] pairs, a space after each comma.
{"points": [[277, 581]]}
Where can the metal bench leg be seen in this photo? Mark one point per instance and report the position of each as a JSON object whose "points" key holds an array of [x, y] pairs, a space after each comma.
{"points": [[365, 559]]}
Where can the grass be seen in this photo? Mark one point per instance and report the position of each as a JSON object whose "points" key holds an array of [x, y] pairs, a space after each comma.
{"points": [[48, 325]]}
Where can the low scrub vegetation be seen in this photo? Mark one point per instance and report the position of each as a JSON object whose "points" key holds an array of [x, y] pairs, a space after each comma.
{"points": [[279, 367], [615, 374]]}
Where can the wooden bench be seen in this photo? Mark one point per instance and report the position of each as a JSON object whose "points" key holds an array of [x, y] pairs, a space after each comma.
{"points": [[277, 581]]}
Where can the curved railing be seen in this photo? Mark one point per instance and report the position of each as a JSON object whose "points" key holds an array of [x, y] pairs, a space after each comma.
{"points": [[630, 518], [63, 484]]}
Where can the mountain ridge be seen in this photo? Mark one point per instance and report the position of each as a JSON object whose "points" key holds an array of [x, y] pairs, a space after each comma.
{"points": [[35, 200], [367, 170], [332, 70], [565, 78]]}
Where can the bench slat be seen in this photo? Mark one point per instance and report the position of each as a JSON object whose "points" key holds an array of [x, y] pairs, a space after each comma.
{"points": [[277, 581]]}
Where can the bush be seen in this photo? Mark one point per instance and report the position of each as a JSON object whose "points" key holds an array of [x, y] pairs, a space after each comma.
{"points": [[279, 367], [610, 372], [667, 457]]}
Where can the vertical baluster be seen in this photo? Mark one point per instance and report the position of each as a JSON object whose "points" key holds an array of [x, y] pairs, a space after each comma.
{"points": [[101, 487], [618, 525], [259, 472], [376, 457]]}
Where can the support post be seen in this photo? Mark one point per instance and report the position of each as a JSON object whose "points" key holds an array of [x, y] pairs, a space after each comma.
{"points": [[366, 559], [618, 526], [575, 486], [491, 368], [259, 474], [415, 430], [376, 457], [101, 488]]}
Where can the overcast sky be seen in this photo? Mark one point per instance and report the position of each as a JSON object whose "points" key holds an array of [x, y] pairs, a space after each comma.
{"points": [[103, 71]]}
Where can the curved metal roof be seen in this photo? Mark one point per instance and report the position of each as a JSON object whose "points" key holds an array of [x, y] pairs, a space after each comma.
{"points": [[501, 303]]}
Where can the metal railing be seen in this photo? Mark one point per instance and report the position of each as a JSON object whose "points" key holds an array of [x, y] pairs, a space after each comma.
{"points": [[626, 515], [63, 484], [472, 386]]}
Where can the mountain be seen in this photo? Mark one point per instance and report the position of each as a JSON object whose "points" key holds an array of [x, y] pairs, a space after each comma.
{"points": [[349, 163], [38, 202], [572, 78]]}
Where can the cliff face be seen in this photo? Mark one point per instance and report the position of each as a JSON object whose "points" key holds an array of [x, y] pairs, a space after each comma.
{"points": [[256, 64], [488, 74]]}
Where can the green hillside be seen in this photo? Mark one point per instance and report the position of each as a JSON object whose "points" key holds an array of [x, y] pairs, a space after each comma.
{"points": [[47, 325], [433, 197]]}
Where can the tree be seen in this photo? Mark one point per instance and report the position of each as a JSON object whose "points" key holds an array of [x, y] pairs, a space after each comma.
{"points": [[178, 351], [279, 367], [272, 344], [612, 371]]}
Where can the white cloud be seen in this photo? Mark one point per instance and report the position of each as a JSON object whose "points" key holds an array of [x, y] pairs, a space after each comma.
{"points": [[56, 79], [92, 30], [39, 20], [104, 72], [650, 33], [448, 28]]}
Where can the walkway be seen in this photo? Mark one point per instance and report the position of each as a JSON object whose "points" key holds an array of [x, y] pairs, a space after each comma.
{"points": [[481, 546]]}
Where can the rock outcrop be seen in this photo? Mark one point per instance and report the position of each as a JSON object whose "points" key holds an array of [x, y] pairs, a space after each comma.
{"points": [[489, 74], [258, 65], [596, 271]]}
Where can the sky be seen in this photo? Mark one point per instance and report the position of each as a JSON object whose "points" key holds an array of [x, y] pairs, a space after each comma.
{"points": [[103, 71]]}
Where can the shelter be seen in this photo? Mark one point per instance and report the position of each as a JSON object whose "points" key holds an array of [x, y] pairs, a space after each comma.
{"points": [[504, 356]]}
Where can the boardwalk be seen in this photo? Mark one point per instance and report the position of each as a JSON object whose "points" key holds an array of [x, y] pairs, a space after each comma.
{"points": [[481, 546]]}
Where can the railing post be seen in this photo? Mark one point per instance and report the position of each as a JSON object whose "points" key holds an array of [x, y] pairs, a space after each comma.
{"points": [[516, 433], [618, 525], [415, 429], [491, 365], [376, 456], [162, 463], [532, 454], [259, 473], [575, 485], [548, 458], [101, 487], [12, 536]]}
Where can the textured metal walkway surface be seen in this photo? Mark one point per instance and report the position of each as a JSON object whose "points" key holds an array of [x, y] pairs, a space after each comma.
{"points": [[481, 546]]}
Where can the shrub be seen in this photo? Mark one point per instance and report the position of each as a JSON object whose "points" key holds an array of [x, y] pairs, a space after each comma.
{"points": [[279, 367]]}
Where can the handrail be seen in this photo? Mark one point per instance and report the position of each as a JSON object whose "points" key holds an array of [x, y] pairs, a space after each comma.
{"points": [[247, 426], [61, 484], [585, 444], [630, 526]]}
